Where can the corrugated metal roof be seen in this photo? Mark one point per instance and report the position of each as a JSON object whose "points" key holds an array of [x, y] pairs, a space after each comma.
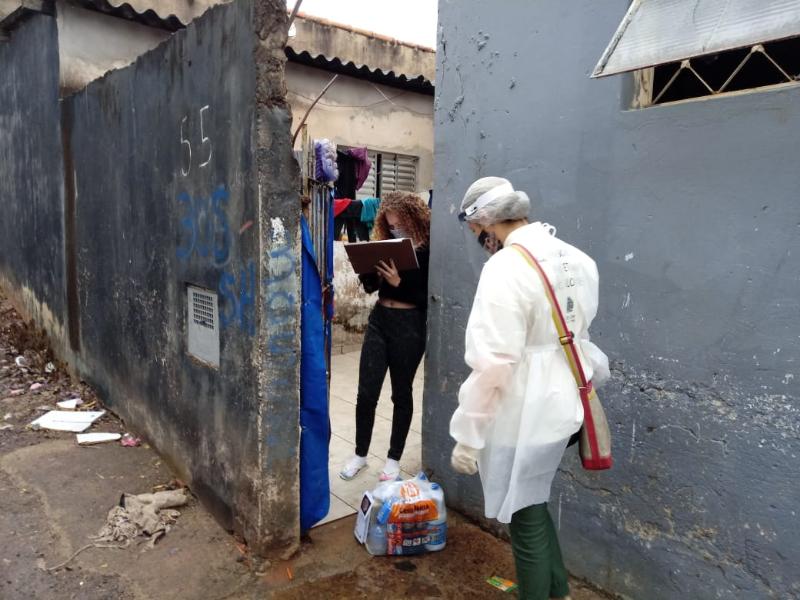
{"points": [[344, 49], [656, 32]]}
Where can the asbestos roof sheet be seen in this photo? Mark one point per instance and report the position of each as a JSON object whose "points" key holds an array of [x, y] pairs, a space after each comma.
{"points": [[418, 84], [166, 14], [656, 32], [365, 54]]}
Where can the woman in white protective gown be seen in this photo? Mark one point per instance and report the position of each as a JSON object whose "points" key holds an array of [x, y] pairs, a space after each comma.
{"points": [[520, 405]]}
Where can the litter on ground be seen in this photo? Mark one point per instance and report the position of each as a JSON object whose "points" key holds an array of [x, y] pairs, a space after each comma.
{"points": [[87, 439], [501, 584], [148, 515], [130, 441], [60, 420], [71, 404]]}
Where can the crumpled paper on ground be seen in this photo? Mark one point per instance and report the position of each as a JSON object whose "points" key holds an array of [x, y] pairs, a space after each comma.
{"points": [[146, 514]]}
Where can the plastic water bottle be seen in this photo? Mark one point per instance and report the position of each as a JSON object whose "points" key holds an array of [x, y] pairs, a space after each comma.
{"points": [[438, 527], [386, 511], [376, 534], [376, 540]]}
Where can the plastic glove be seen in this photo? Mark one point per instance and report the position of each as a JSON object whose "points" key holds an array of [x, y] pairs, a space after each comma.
{"points": [[465, 459]]}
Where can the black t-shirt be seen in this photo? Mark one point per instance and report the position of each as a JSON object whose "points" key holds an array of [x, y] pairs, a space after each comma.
{"points": [[413, 288]]}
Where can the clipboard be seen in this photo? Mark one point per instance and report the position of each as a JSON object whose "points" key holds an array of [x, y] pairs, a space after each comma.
{"points": [[365, 255]]}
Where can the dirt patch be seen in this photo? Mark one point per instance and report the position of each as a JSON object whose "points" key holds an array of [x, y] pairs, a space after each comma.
{"points": [[25, 538]]}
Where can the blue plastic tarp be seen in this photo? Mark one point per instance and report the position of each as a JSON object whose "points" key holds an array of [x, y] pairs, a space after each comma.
{"points": [[314, 417]]}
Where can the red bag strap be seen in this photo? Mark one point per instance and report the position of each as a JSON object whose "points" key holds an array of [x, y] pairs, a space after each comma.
{"points": [[565, 336]]}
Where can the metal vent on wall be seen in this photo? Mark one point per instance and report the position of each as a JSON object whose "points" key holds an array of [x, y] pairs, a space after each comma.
{"points": [[203, 325]]}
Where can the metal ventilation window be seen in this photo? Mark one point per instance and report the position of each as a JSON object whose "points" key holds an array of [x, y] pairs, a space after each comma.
{"points": [[760, 66], [203, 309], [203, 325], [397, 173], [683, 49], [389, 173]]}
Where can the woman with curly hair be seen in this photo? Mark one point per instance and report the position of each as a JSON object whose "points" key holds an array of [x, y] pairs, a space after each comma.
{"points": [[395, 336]]}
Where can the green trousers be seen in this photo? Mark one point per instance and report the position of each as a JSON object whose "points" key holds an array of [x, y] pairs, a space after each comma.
{"points": [[540, 569]]}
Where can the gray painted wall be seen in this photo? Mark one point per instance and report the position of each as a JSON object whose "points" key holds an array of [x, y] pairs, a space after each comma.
{"points": [[691, 212], [179, 172], [31, 174]]}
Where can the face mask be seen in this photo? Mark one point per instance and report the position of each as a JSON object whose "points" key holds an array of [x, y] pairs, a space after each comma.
{"points": [[398, 232], [489, 242]]}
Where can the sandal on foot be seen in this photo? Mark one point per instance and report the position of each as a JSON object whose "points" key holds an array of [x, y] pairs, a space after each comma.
{"points": [[353, 467], [391, 470]]}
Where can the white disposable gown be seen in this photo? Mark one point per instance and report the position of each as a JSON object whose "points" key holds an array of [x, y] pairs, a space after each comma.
{"points": [[520, 404]]}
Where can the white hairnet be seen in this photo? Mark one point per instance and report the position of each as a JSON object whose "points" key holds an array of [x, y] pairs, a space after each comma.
{"points": [[493, 200]]}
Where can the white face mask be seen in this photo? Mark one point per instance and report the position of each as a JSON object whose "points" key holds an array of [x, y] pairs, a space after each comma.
{"points": [[398, 232]]}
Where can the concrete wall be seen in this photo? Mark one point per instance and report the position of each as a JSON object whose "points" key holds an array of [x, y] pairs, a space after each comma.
{"points": [[180, 172], [354, 113], [32, 268], [691, 213]]}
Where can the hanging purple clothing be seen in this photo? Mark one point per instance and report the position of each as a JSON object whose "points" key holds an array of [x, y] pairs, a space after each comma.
{"points": [[363, 165]]}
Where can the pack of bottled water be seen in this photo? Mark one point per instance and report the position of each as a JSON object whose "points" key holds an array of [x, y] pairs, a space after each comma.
{"points": [[403, 517]]}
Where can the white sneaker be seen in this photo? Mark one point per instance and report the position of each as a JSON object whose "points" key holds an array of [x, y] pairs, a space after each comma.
{"points": [[353, 467], [391, 470]]}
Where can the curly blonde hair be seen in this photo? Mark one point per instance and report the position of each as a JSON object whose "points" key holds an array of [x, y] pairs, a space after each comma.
{"points": [[413, 213]]}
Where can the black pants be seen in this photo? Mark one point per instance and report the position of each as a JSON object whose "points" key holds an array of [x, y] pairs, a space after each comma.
{"points": [[394, 341]]}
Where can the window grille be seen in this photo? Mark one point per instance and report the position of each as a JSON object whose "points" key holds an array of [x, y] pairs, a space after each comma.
{"points": [[760, 66], [682, 49]]}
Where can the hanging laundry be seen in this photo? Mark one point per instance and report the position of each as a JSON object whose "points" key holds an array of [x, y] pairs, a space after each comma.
{"points": [[362, 165], [339, 204], [369, 210], [346, 184], [325, 155], [350, 217]]}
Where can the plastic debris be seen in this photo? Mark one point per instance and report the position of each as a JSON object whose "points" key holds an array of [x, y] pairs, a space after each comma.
{"points": [[36, 386], [504, 585], [70, 404], [130, 441], [18, 392], [22, 362], [88, 439], [8, 416], [49, 367], [59, 420], [142, 515]]}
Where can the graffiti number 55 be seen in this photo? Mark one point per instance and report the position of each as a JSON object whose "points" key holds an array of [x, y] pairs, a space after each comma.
{"points": [[186, 145]]}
